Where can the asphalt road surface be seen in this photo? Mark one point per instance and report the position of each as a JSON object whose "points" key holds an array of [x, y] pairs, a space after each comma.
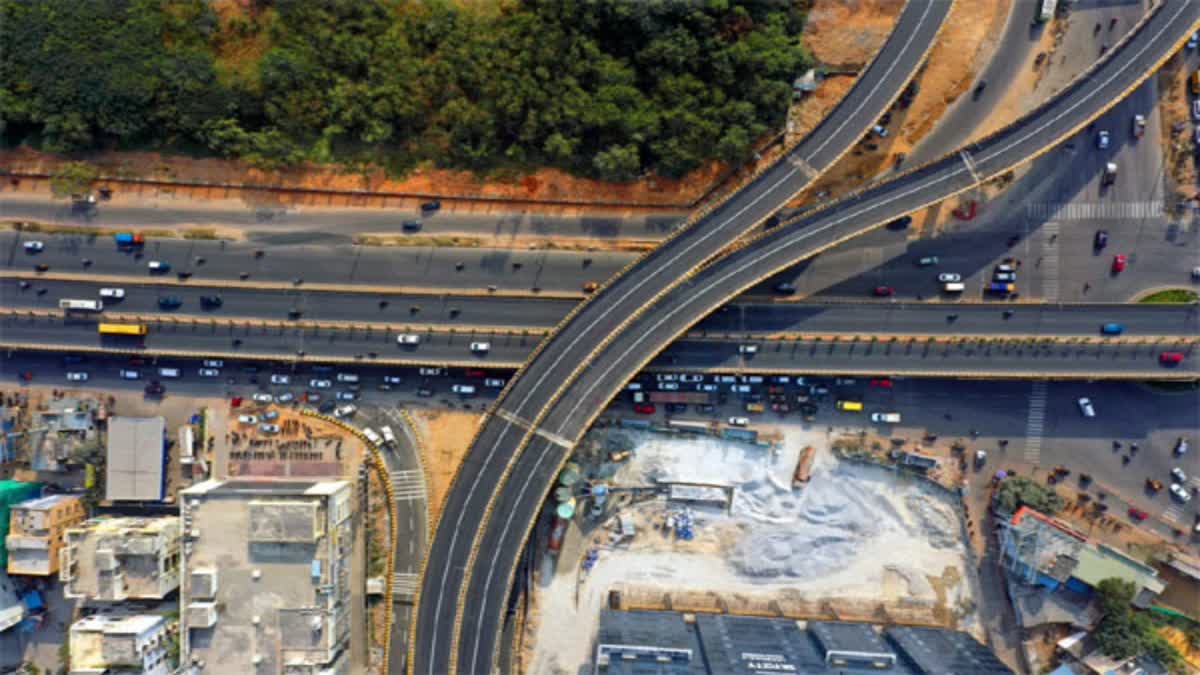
{"points": [[585, 377]]}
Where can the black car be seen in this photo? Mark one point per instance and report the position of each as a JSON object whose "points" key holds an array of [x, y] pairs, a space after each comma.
{"points": [[211, 301], [412, 226], [327, 406], [785, 288], [1101, 239], [900, 223], [155, 388], [676, 408], [169, 302], [431, 205]]}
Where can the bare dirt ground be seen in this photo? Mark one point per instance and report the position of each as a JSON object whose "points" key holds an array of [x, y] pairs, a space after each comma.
{"points": [[847, 33], [447, 435], [1174, 106], [509, 241]]}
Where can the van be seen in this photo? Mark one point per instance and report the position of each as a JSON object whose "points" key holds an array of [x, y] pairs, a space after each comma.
{"points": [[168, 372], [1194, 83], [954, 287], [850, 406]]}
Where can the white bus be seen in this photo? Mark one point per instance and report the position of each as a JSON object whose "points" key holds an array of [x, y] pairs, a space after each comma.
{"points": [[1047, 11], [80, 305]]}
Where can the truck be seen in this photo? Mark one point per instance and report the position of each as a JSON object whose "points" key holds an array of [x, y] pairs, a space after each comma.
{"points": [[129, 239], [69, 305], [1110, 174], [803, 466], [1046, 11], [692, 397]]}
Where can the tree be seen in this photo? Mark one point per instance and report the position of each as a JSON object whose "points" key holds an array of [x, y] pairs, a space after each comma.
{"points": [[1123, 633], [73, 178], [1020, 491]]}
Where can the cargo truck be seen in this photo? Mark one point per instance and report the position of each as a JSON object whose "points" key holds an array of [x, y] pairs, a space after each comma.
{"points": [[129, 239]]}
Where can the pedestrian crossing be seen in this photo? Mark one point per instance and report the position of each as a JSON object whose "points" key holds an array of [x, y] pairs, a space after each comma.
{"points": [[1181, 513], [404, 584], [1174, 514], [1035, 423], [1049, 262], [408, 484]]}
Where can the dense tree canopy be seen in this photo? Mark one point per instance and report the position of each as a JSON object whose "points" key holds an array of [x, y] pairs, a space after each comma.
{"points": [[611, 88]]}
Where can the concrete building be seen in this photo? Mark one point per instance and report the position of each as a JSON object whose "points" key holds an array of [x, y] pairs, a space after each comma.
{"points": [[12, 492], [108, 645], [266, 566], [1046, 552], [12, 609], [117, 559], [137, 458], [670, 643], [36, 533]]}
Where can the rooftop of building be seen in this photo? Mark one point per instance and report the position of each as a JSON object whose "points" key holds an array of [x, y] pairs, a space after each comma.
{"points": [[1098, 562], [45, 503], [134, 466], [664, 630], [935, 650]]}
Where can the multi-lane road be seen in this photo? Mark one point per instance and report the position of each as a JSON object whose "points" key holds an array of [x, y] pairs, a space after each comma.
{"points": [[576, 372]]}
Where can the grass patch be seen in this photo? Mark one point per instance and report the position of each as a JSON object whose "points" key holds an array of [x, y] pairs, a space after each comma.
{"points": [[1171, 296], [200, 233]]}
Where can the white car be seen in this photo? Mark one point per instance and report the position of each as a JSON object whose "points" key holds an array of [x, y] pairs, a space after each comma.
{"points": [[666, 377], [481, 347], [1005, 267], [1179, 492], [209, 372], [408, 339], [429, 372], [346, 396], [130, 375], [320, 384], [372, 436], [77, 377], [345, 410], [1196, 109], [269, 428], [1085, 407], [1102, 140], [747, 349], [668, 386], [34, 246], [1178, 475], [388, 434], [886, 418], [247, 419], [494, 383], [287, 397], [691, 378], [213, 363], [112, 293], [158, 266], [280, 379], [949, 277], [391, 379], [739, 421], [263, 398], [347, 377], [463, 389]]}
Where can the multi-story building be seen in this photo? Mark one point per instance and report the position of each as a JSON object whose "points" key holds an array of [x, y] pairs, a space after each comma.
{"points": [[125, 645], [116, 559], [36, 532], [12, 492], [267, 576]]}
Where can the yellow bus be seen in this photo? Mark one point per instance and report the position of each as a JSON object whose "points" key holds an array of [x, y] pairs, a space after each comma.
{"points": [[850, 406], [122, 329]]}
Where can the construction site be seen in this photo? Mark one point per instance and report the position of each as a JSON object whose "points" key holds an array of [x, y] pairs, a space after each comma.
{"points": [[778, 526]]}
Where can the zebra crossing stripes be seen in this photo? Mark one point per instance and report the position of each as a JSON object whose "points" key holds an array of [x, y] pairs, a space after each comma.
{"points": [[408, 484], [1035, 423], [1049, 265], [404, 584]]}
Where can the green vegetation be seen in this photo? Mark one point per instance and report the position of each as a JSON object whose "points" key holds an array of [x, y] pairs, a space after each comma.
{"points": [[1171, 296], [1124, 633], [607, 88], [1020, 491], [73, 178]]}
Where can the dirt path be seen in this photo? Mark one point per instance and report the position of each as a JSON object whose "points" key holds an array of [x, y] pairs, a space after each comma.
{"points": [[447, 435]]}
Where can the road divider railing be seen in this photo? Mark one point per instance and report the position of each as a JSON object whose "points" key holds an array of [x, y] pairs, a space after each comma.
{"points": [[380, 466], [939, 338]]}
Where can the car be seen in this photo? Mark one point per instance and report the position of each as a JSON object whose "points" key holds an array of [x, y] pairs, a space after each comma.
{"points": [[481, 347], [286, 397], [312, 396], [1194, 40], [392, 379], [1178, 475], [886, 417], [1085, 407], [675, 408], [883, 291], [668, 386], [431, 205], [1112, 328], [686, 377], [739, 421], [130, 374], [213, 363], [1139, 126], [1181, 447], [34, 247], [170, 372], [666, 377], [408, 339], [1102, 140], [389, 436], [927, 261], [745, 349], [1196, 109], [1196, 273], [845, 381], [169, 302], [1006, 267], [158, 266], [463, 389], [247, 419], [949, 277], [112, 293], [900, 223], [77, 377], [347, 377], [784, 288], [590, 287], [270, 415], [269, 428], [880, 131], [424, 391], [209, 372], [1196, 135], [494, 383], [261, 397], [211, 301], [155, 388], [644, 408], [1118, 263], [429, 372], [1100, 240], [1170, 358], [346, 396], [883, 382], [474, 373], [372, 436], [320, 384], [345, 410], [411, 226], [1137, 514], [1004, 277], [1181, 493]]}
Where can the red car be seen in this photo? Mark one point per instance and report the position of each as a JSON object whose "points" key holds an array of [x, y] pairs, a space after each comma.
{"points": [[644, 408], [1138, 514], [885, 382], [1170, 358], [474, 372], [1118, 263], [884, 291]]}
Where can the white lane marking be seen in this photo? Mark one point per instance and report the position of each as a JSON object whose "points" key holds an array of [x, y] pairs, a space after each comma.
{"points": [[800, 236], [1035, 422], [527, 426], [1049, 266]]}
